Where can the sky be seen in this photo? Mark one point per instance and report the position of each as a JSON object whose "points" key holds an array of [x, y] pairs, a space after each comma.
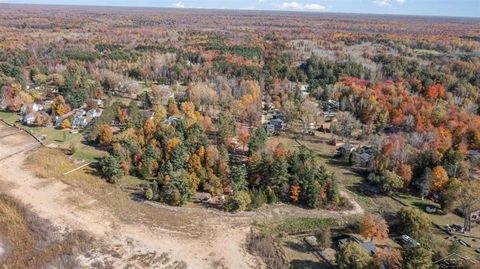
{"points": [[457, 8]]}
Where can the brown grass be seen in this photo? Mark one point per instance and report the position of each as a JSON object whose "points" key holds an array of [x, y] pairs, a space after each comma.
{"points": [[33, 243]]}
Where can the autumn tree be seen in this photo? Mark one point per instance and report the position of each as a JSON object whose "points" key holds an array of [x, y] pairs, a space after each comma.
{"points": [[405, 172], [243, 137], [390, 258], [294, 192], [439, 178], [105, 134], [149, 128], [372, 227], [59, 107], [346, 125], [66, 124]]}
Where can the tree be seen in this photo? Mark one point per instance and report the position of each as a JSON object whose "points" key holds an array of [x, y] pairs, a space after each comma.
{"points": [[258, 140], [243, 137], [374, 228], [426, 182], [149, 128], [58, 106], [390, 258], [417, 257], [105, 134], [111, 169], [346, 124], [464, 195], [307, 113], [226, 127], [238, 202], [405, 172], [353, 256], [66, 124], [239, 178], [439, 178], [413, 222], [391, 181], [294, 192]]}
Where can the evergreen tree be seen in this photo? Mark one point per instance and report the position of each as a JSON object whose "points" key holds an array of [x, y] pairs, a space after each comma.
{"points": [[258, 140], [239, 178]]}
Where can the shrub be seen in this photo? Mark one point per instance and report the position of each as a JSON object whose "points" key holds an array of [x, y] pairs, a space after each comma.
{"points": [[149, 194], [239, 202], [258, 198], [324, 238]]}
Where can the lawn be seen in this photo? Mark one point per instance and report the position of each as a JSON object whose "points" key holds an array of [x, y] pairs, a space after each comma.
{"points": [[63, 139], [9, 117]]}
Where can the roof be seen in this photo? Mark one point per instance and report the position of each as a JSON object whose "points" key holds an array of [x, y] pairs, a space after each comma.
{"points": [[367, 245]]}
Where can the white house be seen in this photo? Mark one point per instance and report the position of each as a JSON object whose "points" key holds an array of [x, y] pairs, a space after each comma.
{"points": [[29, 119]]}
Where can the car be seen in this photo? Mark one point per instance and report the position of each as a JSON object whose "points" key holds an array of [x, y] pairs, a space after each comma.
{"points": [[430, 209]]}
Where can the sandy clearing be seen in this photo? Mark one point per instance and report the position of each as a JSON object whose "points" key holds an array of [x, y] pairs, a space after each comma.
{"points": [[50, 200], [220, 242]]}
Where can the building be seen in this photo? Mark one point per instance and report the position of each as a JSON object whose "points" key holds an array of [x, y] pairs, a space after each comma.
{"points": [[367, 245], [28, 119]]}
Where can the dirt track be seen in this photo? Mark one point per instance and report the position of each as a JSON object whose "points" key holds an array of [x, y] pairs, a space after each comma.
{"points": [[210, 240]]}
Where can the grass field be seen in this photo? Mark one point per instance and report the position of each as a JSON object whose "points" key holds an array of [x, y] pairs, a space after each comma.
{"points": [[63, 139]]}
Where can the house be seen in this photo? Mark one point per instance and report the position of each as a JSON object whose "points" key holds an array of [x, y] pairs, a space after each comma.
{"points": [[59, 120], [98, 102], [79, 122], [47, 103], [28, 119], [149, 114], [332, 105], [94, 113], [32, 87], [407, 241], [367, 245], [79, 113], [171, 120], [28, 108]]}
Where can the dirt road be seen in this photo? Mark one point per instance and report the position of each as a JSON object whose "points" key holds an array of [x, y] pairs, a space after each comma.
{"points": [[208, 239]]}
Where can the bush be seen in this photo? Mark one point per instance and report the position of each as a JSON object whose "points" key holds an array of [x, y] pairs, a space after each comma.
{"points": [[258, 198], [324, 238], [271, 196], [238, 202], [149, 194]]}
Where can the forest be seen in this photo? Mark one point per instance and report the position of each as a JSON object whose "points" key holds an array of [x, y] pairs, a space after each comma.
{"points": [[189, 104]]}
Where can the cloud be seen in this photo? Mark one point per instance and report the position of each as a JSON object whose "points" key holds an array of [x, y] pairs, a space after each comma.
{"points": [[178, 5], [387, 3], [299, 6]]}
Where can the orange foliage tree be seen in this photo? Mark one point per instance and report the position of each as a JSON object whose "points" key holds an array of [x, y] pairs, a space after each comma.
{"points": [[439, 178], [294, 192], [105, 135], [374, 228]]}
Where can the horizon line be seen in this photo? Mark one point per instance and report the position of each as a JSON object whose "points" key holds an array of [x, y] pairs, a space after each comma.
{"points": [[238, 9]]}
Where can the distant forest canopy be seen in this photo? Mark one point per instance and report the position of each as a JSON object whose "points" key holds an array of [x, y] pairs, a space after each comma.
{"points": [[409, 85]]}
